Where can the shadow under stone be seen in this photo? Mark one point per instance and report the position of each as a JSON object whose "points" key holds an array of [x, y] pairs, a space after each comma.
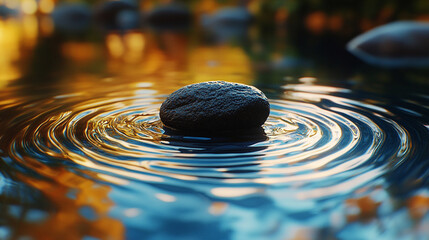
{"points": [[240, 141]]}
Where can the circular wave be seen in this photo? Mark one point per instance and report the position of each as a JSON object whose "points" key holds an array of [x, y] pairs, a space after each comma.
{"points": [[318, 139]]}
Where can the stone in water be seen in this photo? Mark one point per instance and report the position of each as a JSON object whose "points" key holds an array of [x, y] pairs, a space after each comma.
{"points": [[398, 44], [214, 107]]}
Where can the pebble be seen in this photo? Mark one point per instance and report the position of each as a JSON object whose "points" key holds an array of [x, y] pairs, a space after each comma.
{"points": [[397, 44], [214, 107]]}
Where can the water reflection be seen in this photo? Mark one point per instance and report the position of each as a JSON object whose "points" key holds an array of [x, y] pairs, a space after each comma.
{"points": [[9, 41], [99, 154]]}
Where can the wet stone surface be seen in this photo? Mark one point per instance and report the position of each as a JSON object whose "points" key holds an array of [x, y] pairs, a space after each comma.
{"points": [[214, 107]]}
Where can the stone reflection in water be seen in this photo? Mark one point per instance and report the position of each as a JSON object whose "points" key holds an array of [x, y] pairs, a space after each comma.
{"points": [[238, 142]]}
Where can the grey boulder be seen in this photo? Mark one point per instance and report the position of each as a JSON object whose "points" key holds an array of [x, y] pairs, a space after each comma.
{"points": [[214, 107]]}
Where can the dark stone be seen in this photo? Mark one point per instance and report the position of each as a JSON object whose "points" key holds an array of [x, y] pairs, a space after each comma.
{"points": [[215, 107], [398, 44]]}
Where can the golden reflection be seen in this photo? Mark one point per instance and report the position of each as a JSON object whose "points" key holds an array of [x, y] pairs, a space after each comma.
{"points": [[29, 6], [46, 26], [218, 208], [13, 4], [362, 209], [175, 48], [46, 6], [9, 43], [128, 47], [418, 206], [255, 6], [30, 28], [79, 52], [145, 6], [135, 43], [169, 55], [66, 218], [114, 44], [207, 6], [136, 54], [219, 63]]}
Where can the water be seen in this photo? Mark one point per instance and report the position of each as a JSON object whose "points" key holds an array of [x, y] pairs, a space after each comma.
{"points": [[102, 157], [83, 153]]}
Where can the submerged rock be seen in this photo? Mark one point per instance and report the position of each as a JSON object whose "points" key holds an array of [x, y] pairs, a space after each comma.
{"points": [[215, 107], [398, 44]]}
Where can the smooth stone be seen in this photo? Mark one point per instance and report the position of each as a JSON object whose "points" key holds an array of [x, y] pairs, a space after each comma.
{"points": [[214, 107], [398, 44]]}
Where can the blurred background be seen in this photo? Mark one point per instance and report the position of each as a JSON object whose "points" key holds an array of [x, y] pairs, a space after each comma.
{"points": [[43, 41]]}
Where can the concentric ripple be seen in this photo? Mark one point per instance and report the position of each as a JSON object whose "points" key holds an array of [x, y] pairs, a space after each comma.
{"points": [[316, 138]]}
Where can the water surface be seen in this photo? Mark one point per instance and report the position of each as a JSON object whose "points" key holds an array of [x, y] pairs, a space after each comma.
{"points": [[83, 152]]}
